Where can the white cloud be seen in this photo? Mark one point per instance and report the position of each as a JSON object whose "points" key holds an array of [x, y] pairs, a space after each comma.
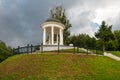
{"points": [[81, 16], [108, 13]]}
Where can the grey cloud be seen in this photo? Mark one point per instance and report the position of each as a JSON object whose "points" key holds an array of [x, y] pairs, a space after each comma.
{"points": [[82, 21], [22, 22], [20, 19], [82, 16]]}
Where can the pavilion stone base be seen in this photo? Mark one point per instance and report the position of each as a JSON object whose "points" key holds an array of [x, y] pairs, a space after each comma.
{"points": [[55, 47]]}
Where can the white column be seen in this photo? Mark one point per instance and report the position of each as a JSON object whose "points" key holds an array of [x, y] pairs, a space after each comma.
{"points": [[52, 34], [44, 36], [61, 37]]}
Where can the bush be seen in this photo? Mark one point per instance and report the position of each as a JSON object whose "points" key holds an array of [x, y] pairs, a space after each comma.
{"points": [[37, 47], [5, 51], [112, 45]]}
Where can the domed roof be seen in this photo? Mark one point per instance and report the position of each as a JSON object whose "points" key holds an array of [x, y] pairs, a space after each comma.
{"points": [[53, 19]]}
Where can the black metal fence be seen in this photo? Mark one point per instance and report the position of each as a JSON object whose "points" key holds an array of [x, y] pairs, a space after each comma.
{"points": [[33, 48], [27, 49]]}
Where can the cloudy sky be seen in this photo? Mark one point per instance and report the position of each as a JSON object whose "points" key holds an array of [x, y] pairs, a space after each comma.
{"points": [[20, 19]]}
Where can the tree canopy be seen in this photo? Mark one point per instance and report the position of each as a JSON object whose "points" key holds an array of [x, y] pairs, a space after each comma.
{"points": [[104, 33], [83, 41], [5, 51], [59, 13], [117, 37]]}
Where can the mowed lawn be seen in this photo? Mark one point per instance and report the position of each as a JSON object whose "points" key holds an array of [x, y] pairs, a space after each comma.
{"points": [[59, 67]]}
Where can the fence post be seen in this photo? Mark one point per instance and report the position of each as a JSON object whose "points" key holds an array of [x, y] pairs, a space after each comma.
{"points": [[87, 49], [77, 50], [41, 47], [74, 49], [13, 51], [58, 47], [18, 49], [31, 48], [27, 48], [96, 51]]}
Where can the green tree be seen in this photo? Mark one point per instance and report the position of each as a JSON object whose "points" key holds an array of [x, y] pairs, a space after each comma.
{"points": [[112, 45], [117, 37], [99, 44], [59, 13], [5, 51], [83, 40], [104, 33], [73, 40]]}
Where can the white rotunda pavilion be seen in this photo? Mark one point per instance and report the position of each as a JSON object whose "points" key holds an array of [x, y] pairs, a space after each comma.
{"points": [[52, 32]]}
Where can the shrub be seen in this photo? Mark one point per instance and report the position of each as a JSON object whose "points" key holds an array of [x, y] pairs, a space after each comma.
{"points": [[5, 51]]}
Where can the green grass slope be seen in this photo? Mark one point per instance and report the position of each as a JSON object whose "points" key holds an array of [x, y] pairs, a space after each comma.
{"points": [[59, 67]]}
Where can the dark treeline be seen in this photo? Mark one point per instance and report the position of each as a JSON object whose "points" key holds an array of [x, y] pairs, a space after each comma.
{"points": [[5, 51], [114, 44], [85, 41]]}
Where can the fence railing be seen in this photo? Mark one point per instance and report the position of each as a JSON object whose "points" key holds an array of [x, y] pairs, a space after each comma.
{"points": [[26, 49], [57, 48]]}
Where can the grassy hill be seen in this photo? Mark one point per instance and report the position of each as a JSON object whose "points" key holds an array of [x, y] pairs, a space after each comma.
{"points": [[59, 67]]}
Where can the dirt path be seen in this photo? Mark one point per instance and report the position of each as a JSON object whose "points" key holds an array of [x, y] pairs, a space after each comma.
{"points": [[108, 55]]}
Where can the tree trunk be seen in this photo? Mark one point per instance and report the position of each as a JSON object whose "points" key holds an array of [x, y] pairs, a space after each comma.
{"points": [[103, 48]]}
